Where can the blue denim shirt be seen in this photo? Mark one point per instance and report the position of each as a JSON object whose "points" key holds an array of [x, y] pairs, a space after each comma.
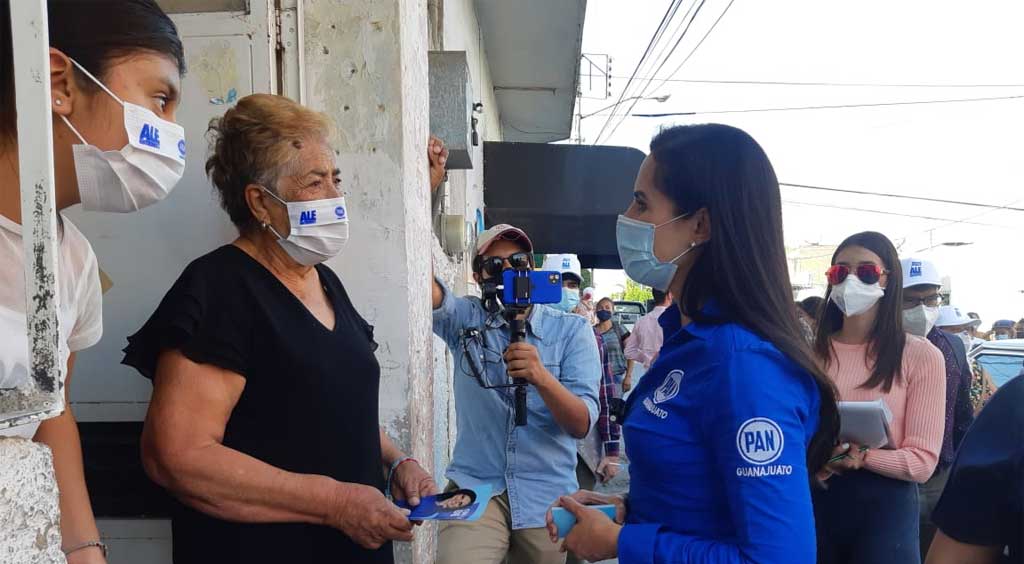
{"points": [[537, 463]]}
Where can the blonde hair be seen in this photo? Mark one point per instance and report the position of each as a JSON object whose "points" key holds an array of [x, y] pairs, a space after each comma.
{"points": [[252, 143]]}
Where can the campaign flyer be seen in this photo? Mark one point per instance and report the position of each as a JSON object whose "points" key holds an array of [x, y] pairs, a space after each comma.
{"points": [[466, 504]]}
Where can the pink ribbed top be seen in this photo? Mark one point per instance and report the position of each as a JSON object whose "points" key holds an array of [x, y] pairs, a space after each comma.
{"points": [[917, 402]]}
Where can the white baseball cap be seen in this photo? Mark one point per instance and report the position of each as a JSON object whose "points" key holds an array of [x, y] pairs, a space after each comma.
{"points": [[501, 232], [920, 272], [950, 316], [563, 264]]}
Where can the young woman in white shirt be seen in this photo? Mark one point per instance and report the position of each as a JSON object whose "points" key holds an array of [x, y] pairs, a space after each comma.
{"points": [[115, 77]]}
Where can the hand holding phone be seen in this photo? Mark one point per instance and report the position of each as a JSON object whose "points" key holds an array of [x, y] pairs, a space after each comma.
{"points": [[565, 520]]}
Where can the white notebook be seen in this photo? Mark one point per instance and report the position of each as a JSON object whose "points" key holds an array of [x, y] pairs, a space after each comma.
{"points": [[865, 423]]}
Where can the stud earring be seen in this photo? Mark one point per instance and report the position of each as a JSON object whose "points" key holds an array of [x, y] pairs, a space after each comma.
{"points": [[59, 102]]}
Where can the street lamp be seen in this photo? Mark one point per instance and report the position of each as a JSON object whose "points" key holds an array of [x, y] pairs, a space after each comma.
{"points": [[580, 117], [661, 99]]}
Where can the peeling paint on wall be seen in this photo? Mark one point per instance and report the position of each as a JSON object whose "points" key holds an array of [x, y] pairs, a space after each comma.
{"points": [[216, 67], [356, 45]]}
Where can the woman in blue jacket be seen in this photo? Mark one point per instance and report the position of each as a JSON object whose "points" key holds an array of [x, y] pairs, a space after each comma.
{"points": [[728, 428]]}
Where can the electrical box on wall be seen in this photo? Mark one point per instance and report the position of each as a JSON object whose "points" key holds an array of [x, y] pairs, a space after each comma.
{"points": [[451, 106]]}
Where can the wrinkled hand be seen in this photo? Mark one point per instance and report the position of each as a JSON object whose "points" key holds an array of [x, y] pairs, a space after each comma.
{"points": [[437, 155], [854, 459], [587, 497], [367, 517], [411, 482], [607, 469], [523, 361], [594, 537]]}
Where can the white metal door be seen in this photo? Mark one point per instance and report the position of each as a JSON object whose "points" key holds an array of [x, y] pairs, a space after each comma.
{"points": [[229, 55]]}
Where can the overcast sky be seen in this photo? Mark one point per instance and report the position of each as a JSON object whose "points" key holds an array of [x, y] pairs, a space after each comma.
{"points": [[970, 151]]}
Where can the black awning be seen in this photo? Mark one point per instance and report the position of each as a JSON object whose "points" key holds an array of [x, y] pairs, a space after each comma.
{"points": [[566, 197]]}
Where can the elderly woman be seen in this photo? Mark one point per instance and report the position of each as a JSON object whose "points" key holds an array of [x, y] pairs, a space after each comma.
{"points": [[264, 420]]}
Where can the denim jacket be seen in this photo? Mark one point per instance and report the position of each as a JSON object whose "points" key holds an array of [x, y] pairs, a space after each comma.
{"points": [[535, 464]]}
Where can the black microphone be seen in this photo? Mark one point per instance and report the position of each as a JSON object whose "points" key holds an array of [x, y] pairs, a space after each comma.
{"points": [[518, 335]]}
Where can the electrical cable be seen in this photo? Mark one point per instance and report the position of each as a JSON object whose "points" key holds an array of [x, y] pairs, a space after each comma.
{"points": [[864, 210], [835, 107], [679, 67], [904, 197], [650, 44], [831, 84], [695, 8]]}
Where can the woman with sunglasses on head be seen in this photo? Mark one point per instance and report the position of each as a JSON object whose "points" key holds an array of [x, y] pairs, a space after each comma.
{"points": [[727, 430], [115, 74], [869, 512]]}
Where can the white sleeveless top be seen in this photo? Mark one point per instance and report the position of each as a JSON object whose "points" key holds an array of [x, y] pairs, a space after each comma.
{"points": [[80, 304]]}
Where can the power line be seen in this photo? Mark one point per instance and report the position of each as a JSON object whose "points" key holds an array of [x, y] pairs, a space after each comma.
{"points": [[880, 212], [681, 64], [661, 56], [834, 107], [964, 220], [657, 34], [903, 197], [695, 8], [837, 84]]}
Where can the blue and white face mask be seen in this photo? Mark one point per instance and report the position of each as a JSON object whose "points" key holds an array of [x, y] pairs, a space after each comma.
{"points": [[319, 229], [140, 174], [635, 240], [570, 299]]}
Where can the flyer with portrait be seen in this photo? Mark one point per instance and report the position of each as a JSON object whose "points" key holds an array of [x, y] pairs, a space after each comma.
{"points": [[467, 504]]}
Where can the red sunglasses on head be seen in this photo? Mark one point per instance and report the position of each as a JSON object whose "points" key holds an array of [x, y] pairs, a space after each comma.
{"points": [[868, 273]]}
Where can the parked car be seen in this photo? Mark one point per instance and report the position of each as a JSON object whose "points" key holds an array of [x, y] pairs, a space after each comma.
{"points": [[628, 313], [1001, 359]]}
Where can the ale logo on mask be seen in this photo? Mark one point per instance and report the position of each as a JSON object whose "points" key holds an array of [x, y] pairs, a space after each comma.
{"points": [[307, 217], [339, 212], [181, 148], [150, 136]]}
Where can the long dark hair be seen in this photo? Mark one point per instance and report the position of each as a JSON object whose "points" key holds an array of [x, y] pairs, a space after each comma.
{"points": [[887, 337], [743, 266], [93, 33]]}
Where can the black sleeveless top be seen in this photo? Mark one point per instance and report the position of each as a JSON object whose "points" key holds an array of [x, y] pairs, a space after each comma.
{"points": [[309, 404]]}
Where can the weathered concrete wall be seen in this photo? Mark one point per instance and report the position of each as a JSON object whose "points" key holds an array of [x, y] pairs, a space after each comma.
{"points": [[366, 63], [29, 510], [466, 187]]}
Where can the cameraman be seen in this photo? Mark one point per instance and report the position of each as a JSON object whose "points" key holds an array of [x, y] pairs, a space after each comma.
{"points": [[529, 466]]}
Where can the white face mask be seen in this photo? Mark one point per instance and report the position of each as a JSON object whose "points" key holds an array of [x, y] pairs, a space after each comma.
{"points": [[140, 174], [967, 340], [319, 229], [855, 297], [920, 320]]}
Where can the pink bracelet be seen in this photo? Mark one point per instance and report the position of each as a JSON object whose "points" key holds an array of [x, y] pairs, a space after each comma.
{"points": [[394, 468]]}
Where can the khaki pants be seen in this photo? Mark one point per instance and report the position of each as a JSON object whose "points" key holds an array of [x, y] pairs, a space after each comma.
{"points": [[491, 540]]}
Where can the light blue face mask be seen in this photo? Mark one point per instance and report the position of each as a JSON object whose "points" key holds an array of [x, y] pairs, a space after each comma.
{"points": [[635, 240], [570, 299]]}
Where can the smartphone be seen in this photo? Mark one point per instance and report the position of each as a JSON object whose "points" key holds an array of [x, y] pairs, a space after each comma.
{"points": [[565, 520], [528, 287]]}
